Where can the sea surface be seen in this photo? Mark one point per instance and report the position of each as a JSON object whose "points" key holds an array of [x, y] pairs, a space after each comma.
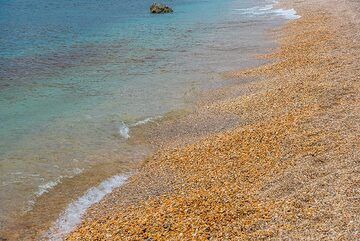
{"points": [[77, 75]]}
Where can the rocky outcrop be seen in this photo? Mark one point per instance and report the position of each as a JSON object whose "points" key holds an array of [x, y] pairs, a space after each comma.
{"points": [[156, 8]]}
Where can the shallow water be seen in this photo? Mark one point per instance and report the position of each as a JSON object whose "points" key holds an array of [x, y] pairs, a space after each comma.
{"points": [[76, 76]]}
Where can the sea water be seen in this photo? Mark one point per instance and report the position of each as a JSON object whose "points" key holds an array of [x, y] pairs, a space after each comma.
{"points": [[77, 75]]}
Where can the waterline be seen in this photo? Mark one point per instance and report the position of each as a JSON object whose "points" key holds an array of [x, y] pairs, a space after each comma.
{"points": [[71, 217]]}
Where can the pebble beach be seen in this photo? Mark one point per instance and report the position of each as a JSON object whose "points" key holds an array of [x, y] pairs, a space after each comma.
{"points": [[272, 156]]}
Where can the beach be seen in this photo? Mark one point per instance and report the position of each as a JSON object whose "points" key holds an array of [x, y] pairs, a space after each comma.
{"points": [[286, 169], [83, 83], [226, 138]]}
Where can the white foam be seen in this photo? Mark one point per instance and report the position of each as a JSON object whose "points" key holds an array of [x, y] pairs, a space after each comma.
{"points": [[267, 7], [124, 130], [259, 10], [149, 119], [287, 13], [44, 188], [71, 217], [269, 10]]}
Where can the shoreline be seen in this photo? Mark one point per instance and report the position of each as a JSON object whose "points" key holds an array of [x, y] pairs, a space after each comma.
{"points": [[66, 190], [256, 103], [261, 176], [80, 151]]}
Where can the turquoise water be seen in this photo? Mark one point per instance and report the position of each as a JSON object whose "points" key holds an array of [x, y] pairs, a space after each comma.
{"points": [[60, 58], [75, 75]]}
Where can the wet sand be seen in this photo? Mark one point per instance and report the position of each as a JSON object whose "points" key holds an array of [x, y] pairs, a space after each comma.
{"points": [[273, 155]]}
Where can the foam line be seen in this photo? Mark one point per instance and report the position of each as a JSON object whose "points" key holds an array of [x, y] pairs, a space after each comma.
{"points": [[72, 215]]}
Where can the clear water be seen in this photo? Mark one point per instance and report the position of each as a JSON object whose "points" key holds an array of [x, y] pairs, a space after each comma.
{"points": [[72, 72]]}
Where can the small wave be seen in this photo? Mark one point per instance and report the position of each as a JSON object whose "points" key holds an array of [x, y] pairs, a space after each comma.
{"points": [[45, 188], [124, 130], [259, 10], [147, 120], [269, 9], [71, 217], [287, 13]]}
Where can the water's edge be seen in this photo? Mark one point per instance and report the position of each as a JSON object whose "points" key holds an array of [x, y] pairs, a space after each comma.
{"points": [[72, 214], [124, 130]]}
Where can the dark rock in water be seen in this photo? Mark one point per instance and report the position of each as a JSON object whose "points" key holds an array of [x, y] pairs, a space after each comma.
{"points": [[160, 8]]}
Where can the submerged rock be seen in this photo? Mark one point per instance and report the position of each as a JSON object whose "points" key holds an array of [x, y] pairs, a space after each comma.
{"points": [[157, 8]]}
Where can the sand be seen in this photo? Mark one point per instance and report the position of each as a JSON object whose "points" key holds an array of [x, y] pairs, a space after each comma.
{"points": [[274, 157]]}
